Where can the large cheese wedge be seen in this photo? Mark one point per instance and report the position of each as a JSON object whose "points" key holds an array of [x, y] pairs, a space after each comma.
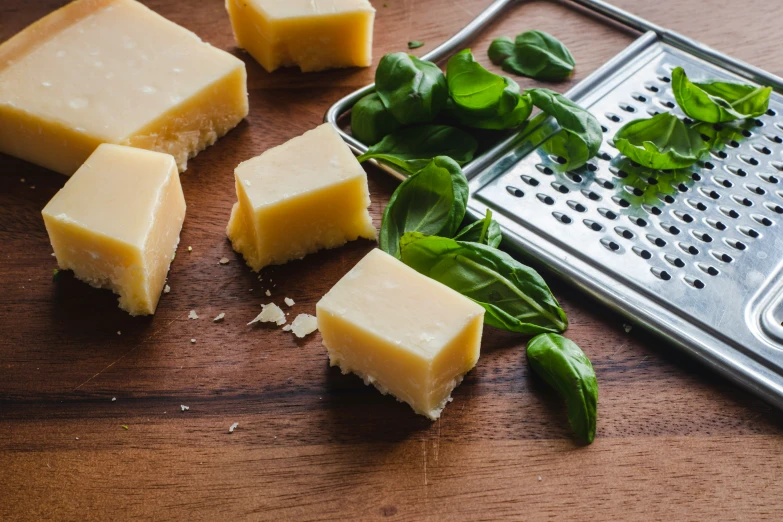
{"points": [[304, 195], [400, 331], [113, 71], [116, 223], [313, 34]]}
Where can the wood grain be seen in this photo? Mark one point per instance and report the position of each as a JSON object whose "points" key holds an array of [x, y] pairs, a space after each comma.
{"points": [[674, 441]]}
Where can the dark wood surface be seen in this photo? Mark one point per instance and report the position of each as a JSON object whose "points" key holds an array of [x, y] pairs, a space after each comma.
{"points": [[674, 441]]}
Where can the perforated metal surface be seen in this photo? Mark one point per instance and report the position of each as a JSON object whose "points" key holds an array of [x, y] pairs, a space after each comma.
{"points": [[696, 251]]}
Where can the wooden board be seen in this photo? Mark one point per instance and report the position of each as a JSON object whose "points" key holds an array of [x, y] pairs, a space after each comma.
{"points": [[674, 441]]}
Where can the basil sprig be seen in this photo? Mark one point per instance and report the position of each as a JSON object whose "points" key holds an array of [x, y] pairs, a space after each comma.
{"points": [[413, 90], [412, 148], [662, 142], [513, 295], [431, 201], [717, 102], [535, 54], [565, 367]]}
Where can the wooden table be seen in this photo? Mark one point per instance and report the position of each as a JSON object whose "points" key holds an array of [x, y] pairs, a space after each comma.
{"points": [[674, 441]]}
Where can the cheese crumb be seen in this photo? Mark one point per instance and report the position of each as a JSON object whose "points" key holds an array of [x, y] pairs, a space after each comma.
{"points": [[270, 313], [119, 332], [113, 399], [192, 315], [219, 317], [190, 248], [124, 426], [268, 293], [166, 289], [289, 301], [223, 261], [233, 427], [303, 325], [21, 179], [193, 341], [184, 408]]}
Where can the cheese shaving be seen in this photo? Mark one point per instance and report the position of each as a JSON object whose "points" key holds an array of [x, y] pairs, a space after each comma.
{"points": [[270, 313]]}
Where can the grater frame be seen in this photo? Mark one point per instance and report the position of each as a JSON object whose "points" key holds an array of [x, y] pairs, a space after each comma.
{"points": [[667, 253]]}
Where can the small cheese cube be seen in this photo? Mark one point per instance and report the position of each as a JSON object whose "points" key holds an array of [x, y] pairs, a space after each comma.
{"points": [[113, 71], [116, 223], [314, 35], [304, 195], [403, 332]]}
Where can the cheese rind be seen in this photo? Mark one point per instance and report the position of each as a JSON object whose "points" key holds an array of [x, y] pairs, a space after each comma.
{"points": [[116, 223], [403, 332], [313, 35], [300, 197], [113, 71]]}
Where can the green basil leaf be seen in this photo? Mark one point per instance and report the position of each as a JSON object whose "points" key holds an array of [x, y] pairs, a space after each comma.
{"points": [[431, 201], [514, 296], [581, 134], [535, 54], [565, 367], [716, 102], [415, 44], [412, 148], [371, 120], [413, 90], [662, 142], [485, 231]]}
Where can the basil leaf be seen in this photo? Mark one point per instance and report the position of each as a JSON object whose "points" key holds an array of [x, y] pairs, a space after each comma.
{"points": [[412, 148], [482, 99], [662, 142], [415, 44], [485, 231], [413, 90], [514, 296], [716, 102], [371, 120], [581, 134], [566, 368], [431, 201], [535, 54]]}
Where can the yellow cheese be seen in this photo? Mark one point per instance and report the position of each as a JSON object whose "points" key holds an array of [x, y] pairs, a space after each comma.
{"points": [[304, 195], [116, 223], [405, 333], [112, 71], [313, 34]]}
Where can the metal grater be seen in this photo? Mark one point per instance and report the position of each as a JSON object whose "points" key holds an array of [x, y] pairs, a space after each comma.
{"points": [[694, 254]]}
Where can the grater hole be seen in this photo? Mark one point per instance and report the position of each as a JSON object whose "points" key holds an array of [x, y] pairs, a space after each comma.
{"points": [[665, 79], [705, 137], [742, 201], [758, 123], [771, 112], [624, 232], [668, 103], [675, 261], [683, 216], [657, 241], [747, 133], [543, 198], [769, 179], [661, 274], [777, 164], [652, 210], [592, 167], [698, 205], [589, 223], [702, 237], [533, 182], [750, 232], [605, 183], [733, 243], [722, 256], [514, 191], [763, 149], [729, 212], [719, 154], [641, 252], [716, 224], [633, 190], [605, 156], [613, 117], [611, 245], [608, 214], [756, 189], [589, 194], [671, 229], [560, 188], [718, 127], [639, 97], [562, 218], [695, 283], [653, 112], [762, 220], [639, 222], [733, 144], [682, 188], [750, 160], [652, 181], [604, 129], [652, 88], [777, 209], [688, 249], [573, 176], [721, 181], [774, 138], [737, 171], [688, 121], [667, 198], [543, 169], [559, 159], [621, 201], [627, 107], [708, 269], [576, 206]]}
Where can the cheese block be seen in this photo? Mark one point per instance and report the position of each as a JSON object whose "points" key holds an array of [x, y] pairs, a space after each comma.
{"points": [[116, 223], [304, 195], [113, 71], [314, 35], [400, 331]]}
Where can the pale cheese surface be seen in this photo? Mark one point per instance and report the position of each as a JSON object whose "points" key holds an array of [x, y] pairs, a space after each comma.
{"points": [[280, 9]]}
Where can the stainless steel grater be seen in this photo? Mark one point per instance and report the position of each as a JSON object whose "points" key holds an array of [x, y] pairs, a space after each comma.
{"points": [[696, 254]]}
